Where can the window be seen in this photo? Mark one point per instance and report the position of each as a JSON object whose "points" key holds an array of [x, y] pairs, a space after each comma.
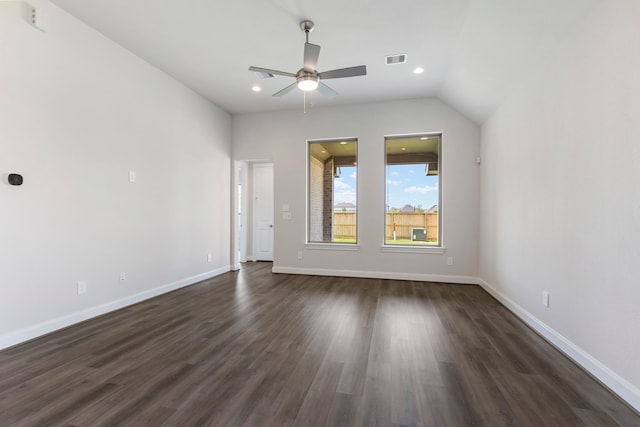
{"points": [[412, 214], [332, 191]]}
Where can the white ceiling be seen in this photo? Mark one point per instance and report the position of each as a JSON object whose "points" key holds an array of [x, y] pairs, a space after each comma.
{"points": [[473, 51]]}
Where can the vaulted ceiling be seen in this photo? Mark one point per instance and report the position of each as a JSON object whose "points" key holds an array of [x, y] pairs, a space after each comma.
{"points": [[474, 52]]}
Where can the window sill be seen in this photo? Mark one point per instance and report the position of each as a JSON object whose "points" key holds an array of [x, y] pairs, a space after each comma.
{"points": [[332, 246], [413, 249]]}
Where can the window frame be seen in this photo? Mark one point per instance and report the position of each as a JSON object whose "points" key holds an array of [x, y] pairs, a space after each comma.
{"points": [[413, 248], [324, 245]]}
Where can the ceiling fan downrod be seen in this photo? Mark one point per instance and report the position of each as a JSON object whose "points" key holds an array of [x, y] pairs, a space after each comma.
{"points": [[307, 27]]}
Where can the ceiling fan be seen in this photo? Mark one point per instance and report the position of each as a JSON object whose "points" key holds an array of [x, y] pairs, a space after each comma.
{"points": [[307, 77]]}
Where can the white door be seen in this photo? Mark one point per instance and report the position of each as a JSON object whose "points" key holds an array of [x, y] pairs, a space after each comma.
{"points": [[263, 211]]}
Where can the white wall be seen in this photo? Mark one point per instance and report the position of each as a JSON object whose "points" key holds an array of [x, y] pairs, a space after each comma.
{"points": [[281, 137], [560, 200], [77, 113]]}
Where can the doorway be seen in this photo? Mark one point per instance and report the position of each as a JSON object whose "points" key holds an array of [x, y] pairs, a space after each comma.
{"points": [[263, 211], [252, 212]]}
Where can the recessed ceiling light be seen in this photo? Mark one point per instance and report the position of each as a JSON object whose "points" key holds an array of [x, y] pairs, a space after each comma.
{"points": [[343, 143], [424, 138], [403, 148], [256, 88], [418, 70]]}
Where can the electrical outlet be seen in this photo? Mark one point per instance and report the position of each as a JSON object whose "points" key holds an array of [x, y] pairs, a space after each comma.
{"points": [[209, 258], [82, 287], [450, 260], [545, 298], [123, 277], [132, 176], [299, 254]]}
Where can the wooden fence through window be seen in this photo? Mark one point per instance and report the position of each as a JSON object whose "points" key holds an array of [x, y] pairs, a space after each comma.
{"points": [[344, 224]]}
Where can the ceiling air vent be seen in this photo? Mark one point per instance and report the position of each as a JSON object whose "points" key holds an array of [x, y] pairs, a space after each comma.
{"points": [[400, 58]]}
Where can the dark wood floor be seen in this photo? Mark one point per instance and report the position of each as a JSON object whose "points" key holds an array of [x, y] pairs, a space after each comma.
{"points": [[256, 349]]}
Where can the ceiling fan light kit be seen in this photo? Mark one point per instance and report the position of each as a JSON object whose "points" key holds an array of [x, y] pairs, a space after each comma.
{"points": [[307, 83], [308, 78]]}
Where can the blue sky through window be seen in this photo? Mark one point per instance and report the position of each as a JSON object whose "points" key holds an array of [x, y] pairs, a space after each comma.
{"points": [[344, 188], [406, 184]]}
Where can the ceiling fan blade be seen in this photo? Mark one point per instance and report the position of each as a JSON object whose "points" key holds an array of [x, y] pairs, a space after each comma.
{"points": [[267, 70], [286, 90], [311, 53], [360, 70], [326, 90]]}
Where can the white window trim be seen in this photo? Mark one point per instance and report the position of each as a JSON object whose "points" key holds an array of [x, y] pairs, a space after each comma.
{"points": [[440, 248], [332, 246], [413, 249], [328, 245]]}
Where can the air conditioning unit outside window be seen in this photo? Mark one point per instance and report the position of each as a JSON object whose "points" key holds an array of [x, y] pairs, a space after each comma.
{"points": [[419, 234]]}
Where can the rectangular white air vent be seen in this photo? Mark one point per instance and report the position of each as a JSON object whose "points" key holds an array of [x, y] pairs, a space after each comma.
{"points": [[400, 58]]}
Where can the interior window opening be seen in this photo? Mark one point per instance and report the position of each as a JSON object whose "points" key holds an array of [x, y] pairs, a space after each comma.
{"points": [[413, 196], [333, 175]]}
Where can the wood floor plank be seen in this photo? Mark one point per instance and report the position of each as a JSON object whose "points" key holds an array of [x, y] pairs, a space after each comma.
{"points": [[343, 410], [252, 348]]}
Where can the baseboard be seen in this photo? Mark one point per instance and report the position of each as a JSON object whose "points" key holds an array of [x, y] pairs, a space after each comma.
{"points": [[378, 275], [31, 332], [618, 385]]}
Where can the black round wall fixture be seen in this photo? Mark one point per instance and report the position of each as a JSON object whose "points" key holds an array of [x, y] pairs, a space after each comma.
{"points": [[15, 179]]}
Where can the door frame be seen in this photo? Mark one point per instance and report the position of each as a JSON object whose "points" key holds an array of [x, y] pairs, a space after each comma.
{"points": [[242, 218], [255, 220]]}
